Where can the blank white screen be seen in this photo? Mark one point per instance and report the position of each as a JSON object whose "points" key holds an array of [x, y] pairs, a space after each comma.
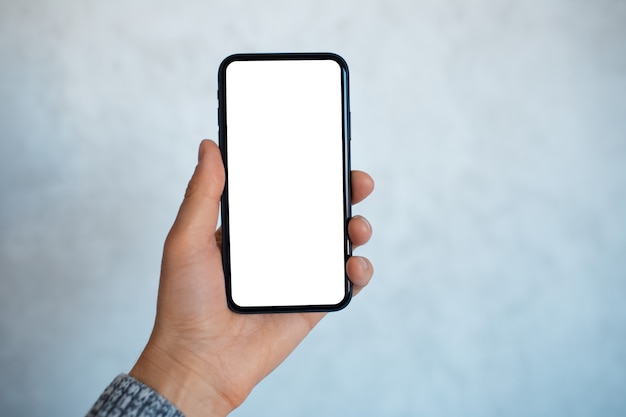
{"points": [[285, 180]]}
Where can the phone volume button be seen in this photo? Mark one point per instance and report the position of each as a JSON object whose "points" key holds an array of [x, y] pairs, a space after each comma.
{"points": [[350, 126]]}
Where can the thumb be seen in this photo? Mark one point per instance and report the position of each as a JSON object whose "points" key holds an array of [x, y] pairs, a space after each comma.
{"points": [[199, 210]]}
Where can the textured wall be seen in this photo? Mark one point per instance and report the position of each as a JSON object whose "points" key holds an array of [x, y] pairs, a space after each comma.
{"points": [[496, 132]]}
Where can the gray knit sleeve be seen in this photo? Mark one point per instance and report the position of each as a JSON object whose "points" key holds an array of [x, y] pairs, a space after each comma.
{"points": [[126, 397]]}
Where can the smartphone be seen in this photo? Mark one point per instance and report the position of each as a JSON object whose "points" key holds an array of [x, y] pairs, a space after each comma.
{"points": [[284, 134]]}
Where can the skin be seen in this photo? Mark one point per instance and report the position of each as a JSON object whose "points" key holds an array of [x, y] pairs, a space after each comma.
{"points": [[201, 356]]}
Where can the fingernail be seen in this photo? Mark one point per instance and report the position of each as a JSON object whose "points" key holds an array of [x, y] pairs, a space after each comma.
{"points": [[369, 226], [364, 264], [200, 151]]}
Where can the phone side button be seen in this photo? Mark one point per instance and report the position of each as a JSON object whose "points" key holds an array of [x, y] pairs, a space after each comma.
{"points": [[350, 126]]}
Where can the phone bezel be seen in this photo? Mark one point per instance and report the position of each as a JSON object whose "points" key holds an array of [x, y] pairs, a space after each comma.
{"points": [[347, 203]]}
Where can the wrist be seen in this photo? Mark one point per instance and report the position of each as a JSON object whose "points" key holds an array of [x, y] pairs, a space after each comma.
{"points": [[180, 381]]}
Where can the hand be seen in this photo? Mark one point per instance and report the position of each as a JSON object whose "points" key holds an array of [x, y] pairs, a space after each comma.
{"points": [[201, 356]]}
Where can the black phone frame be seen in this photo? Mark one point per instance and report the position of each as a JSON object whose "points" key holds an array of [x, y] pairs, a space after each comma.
{"points": [[347, 203]]}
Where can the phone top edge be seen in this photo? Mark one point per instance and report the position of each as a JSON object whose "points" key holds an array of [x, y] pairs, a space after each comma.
{"points": [[287, 56]]}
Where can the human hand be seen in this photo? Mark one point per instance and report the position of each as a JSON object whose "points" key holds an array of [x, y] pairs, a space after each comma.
{"points": [[201, 356]]}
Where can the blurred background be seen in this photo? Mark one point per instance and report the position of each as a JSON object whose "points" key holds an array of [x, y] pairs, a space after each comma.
{"points": [[495, 131]]}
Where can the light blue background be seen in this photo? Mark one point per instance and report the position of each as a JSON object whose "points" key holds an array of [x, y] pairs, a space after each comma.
{"points": [[495, 130]]}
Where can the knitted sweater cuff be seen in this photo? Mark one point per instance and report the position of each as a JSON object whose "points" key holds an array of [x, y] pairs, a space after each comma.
{"points": [[126, 396]]}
